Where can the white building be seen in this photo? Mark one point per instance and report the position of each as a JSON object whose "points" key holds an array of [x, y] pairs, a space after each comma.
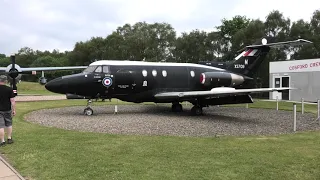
{"points": [[301, 74]]}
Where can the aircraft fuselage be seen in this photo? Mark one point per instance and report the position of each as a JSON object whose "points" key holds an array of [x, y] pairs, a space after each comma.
{"points": [[135, 81]]}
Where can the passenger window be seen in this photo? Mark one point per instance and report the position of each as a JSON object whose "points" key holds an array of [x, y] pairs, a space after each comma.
{"points": [[144, 73], [164, 73], [192, 73], [154, 73], [106, 69], [98, 70]]}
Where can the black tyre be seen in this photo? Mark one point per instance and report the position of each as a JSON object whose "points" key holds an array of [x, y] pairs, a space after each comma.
{"points": [[88, 111]]}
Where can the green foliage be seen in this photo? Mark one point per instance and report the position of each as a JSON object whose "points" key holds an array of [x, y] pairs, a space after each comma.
{"points": [[45, 61], [194, 47], [2, 56], [4, 61], [230, 27]]}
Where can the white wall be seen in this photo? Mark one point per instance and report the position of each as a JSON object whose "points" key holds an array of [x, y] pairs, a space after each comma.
{"points": [[309, 65]]}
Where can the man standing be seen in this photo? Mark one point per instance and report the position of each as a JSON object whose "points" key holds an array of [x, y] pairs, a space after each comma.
{"points": [[7, 110]]}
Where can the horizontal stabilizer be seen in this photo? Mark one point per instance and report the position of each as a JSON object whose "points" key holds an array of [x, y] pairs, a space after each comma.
{"points": [[297, 42]]}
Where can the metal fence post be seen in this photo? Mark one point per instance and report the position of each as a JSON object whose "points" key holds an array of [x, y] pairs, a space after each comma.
{"points": [[318, 110], [116, 108], [294, 117], [302, 105]]}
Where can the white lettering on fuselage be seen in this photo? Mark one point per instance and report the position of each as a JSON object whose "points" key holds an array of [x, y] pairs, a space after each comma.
{"points": [[145, 83], [239, 66], [123, 86]]}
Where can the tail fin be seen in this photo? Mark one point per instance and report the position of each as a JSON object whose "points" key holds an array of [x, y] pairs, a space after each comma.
{"points": [[253, 55]]}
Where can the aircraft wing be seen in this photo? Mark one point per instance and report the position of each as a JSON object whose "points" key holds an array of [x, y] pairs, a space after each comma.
{"points": [[216, 92], [52, 68], [2, 68]]}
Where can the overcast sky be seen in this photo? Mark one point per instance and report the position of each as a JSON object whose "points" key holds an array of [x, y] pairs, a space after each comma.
{"points": [[59, 24]]}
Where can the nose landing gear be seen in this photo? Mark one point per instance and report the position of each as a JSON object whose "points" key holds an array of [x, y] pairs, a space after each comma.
{"points": [[88, 110]]}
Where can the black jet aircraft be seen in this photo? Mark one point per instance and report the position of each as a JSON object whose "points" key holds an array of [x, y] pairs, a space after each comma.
{"points": [[14, 72], [162, 82]]}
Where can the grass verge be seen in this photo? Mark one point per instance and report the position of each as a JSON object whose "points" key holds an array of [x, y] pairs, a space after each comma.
{"points": [[32, 88], [50, 153]]}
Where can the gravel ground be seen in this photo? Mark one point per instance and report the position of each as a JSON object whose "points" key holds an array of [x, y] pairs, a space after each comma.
{"points": [[159, 120]]}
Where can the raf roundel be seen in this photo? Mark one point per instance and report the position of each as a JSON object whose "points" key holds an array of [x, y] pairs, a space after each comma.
{"points": [[107, 82]]}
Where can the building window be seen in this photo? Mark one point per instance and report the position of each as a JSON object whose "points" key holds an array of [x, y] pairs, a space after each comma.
{"points": [[154, 73], [192, 73], [144, 73], [164, 73]]}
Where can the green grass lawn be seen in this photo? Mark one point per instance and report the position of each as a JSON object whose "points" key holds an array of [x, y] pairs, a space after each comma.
{"points": [[50, 153], [32, 88]]}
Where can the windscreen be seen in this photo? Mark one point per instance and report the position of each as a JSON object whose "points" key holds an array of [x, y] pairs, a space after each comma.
{"points": [[90, 69]]}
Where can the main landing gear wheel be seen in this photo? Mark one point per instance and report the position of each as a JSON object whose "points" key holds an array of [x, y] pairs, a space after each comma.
{"points": [[88, 111], [196, 110], [176, 107]]}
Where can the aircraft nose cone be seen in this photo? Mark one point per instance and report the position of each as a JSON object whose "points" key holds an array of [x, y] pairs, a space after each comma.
{"points": [[55, 85]]}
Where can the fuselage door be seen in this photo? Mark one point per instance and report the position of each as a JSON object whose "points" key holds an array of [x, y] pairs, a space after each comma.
{"points": [[124, 81]]}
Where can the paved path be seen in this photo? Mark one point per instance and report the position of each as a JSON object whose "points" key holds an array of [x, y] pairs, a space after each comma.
{"points": [[39, 98], [7, 172]]}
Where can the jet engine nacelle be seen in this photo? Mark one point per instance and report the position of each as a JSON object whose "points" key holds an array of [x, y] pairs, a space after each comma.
{"points": [[42, 80], [218, 79]]}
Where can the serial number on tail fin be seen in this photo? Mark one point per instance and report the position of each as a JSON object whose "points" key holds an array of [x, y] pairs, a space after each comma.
{"points": [[239, 66]]}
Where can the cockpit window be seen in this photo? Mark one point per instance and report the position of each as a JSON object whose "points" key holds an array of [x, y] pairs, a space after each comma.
{"points": [[90, 69], [106, 69], [98, 70]]}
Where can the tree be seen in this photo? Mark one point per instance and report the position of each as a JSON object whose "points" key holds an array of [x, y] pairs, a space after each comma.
{"points": [[231, 27], [4, 62], [227, 30], [301, 30], [25, 57], [249, 35], [116, 48], [153, 42], [315, 29], [194, 47], [46, 61]]}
